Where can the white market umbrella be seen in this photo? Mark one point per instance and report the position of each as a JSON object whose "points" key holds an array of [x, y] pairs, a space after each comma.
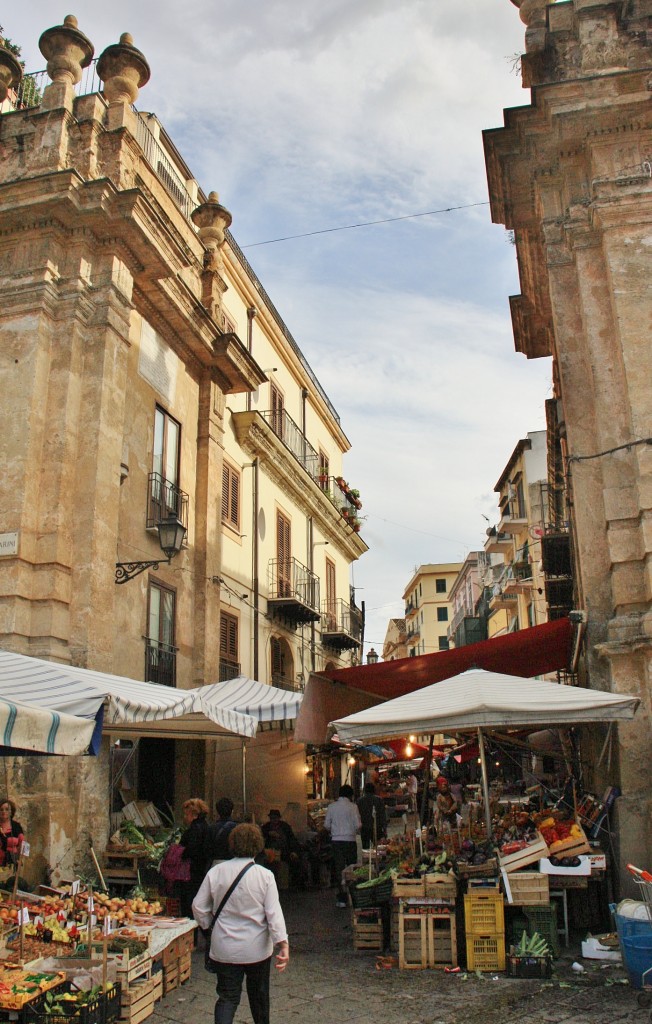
{"points": [[479, 700]]}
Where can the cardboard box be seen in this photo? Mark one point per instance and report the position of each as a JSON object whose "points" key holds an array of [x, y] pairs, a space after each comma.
{"points": [[583, 868], [598, 861], [592, 949]]}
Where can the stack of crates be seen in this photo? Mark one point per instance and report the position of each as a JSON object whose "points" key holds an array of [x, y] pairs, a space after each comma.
{"points": [[368, 929], [543, 919], [484, 920]]}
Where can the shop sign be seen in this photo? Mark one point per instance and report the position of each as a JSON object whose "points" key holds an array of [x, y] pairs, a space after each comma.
{"points": [[8, 544]]}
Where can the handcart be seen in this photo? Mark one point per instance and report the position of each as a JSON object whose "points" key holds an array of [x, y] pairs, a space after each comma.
{"points": [[644, 881]]}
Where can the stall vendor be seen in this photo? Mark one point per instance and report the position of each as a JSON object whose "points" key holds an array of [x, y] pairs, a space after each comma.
{"points": [[446, 806], [11, 833]]}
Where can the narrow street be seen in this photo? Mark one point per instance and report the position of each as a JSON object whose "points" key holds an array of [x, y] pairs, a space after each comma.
{"points": [[328, 982]]}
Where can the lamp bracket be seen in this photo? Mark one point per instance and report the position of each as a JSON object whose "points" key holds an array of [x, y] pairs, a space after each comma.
{"points": [[127, 570]]}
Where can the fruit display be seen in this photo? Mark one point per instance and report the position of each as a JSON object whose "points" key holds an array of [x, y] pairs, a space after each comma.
{"points": [[18, 986], [555, 831]]}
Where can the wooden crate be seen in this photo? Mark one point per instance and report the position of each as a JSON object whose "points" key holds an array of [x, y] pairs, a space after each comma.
{"points": [[571, 847], [137, 1002], [525, 888], [170, 977], [185, 968], [427, 939], [533, 852], [412, 942], [442, 941], [157, 990], [186, 942], [367, 930], [170, 953], [486, 870], [441, 886], [131, 968], [404, 887]]}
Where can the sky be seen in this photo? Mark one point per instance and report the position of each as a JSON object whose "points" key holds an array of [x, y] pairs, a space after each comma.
{"points": [[307, 115]]}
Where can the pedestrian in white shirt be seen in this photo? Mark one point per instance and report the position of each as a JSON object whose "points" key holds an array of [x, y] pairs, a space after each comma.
{"points": [[248, 928], [343, 822]]}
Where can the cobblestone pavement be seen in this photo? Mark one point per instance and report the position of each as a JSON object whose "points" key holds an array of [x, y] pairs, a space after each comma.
{"points": [[327, 982]]}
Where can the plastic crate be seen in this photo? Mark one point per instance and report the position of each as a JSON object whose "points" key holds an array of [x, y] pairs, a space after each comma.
{"points": [[529, 966], [112, 1003], [544, 921], [372, 896], [485, 952], [88, 1013], [484, 913]]}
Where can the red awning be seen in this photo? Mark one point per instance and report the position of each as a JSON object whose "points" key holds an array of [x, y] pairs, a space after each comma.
{"points": [[340, 692]]}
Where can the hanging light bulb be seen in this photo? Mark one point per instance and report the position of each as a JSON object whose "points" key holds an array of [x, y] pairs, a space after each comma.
{"points": [[413, 739], [408, 750]]}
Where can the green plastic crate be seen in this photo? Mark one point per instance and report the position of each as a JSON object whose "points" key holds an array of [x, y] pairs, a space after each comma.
{"points": [[543, 919]]}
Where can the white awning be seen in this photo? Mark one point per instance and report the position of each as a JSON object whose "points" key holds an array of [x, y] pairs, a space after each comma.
{"points": [[484, 699], [40, 730], [130, 706], [249, 697]]}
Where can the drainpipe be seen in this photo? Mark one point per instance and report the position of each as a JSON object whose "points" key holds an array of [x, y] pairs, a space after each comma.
{"points": [[311, 566], [254, 568], [251, 313]]}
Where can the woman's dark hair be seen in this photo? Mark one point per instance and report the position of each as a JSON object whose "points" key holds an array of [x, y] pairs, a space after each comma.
{"points": [[12, 805], [246, 841]]}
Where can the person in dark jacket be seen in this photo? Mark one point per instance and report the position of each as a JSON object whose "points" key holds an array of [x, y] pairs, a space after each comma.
{"points": [[197, 849], [11, 833], [366, 806], [221, 829]]}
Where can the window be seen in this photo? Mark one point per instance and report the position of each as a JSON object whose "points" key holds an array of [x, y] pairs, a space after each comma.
{"points": [[331, 606], [229, 664], [231, 497], [283, 555], [443, 643], [324, 471], [440, 586], [442, 615], [278, 410], [160, 653], [167, 436]]}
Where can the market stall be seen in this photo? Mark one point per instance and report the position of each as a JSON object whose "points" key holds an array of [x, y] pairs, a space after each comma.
{"points": [[515, 853]]}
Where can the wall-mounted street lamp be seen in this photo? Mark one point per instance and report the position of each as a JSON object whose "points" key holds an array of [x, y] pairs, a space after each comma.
{"points": [[372, 657], [171, 533]]}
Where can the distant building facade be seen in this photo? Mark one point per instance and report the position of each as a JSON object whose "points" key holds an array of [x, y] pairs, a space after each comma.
{"points": [[428, 607], [468, 623], [395, 642]]}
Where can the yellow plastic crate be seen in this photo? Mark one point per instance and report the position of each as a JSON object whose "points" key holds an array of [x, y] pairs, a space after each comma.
{"points": [[485, 952], [484, 913]]}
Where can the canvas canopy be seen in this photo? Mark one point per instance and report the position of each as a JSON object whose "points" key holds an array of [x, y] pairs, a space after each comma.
{"points": [[130, 707], [29, 729], [480, 699], [249, 697]]}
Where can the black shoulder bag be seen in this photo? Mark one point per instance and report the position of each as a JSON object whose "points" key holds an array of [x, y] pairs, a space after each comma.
{"points": [[209, 964]]}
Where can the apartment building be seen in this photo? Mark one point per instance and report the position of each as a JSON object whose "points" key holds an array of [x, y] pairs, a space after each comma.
{"points": [[468, 622], [518, 596], [149, 381], [428, 607], [395, 642]]}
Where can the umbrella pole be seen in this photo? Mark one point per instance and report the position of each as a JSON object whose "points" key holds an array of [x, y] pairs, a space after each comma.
{"points": [[426, 781], [485, 783], [244, 779]]}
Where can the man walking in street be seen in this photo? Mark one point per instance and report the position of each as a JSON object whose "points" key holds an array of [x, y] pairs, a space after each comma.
{"points": [[343, 822]]}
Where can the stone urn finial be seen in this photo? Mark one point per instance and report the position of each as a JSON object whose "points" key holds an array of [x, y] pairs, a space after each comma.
{"points": [[212, 219], [11, 71], [124, 70], [67, 51]]}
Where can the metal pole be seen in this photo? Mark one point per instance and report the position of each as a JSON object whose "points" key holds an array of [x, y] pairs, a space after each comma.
{"points": [[485, 783], [244, 778], [426, 782]]}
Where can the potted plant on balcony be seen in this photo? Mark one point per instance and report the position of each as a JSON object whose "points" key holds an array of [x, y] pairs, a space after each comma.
{"points": [[354, 495]]}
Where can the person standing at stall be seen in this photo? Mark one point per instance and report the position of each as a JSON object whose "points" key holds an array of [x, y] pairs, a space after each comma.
{"points": [[343, 822], [12, 833], [197, 850], [367, 804]]}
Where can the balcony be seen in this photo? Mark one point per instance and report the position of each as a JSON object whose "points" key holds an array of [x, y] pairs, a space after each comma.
{"points": [[228, 670], [283, 683], [293, 592], [559, 595], [471, 630], [160, 663], [518, 578], [164, 500], [292, 436], [556, 554], [341, 625], [497, 543], [512, 518], [413, 633], [503, 598]]}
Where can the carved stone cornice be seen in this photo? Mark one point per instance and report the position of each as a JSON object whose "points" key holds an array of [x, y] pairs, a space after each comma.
{"points": [[258, 439]]}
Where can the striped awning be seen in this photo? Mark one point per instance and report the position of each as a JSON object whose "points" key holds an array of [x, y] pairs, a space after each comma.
{"points": [[130, 706], [28, 729], [249, 697]]}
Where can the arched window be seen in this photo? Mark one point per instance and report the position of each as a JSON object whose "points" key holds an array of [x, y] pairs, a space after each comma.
{"points": [[282, 664]]}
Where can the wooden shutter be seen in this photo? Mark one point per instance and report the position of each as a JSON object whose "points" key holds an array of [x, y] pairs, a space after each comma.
{"points": [[283, 549], [331, 594], [231, 497], [277, 658], [228, 636], [278, 406]]}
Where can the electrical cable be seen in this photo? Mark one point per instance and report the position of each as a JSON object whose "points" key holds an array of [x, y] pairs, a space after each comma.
{"points": [[364, 224]]}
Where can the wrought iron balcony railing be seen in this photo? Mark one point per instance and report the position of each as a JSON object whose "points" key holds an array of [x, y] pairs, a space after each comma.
{"points": [[283, 683], [165, 499], [228, 670], [341, 624], [293, 590], [294, 439], [160, 663]]}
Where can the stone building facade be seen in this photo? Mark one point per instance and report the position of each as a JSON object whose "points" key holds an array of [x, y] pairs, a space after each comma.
{"points": [[135, 347], [570, 174]]}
